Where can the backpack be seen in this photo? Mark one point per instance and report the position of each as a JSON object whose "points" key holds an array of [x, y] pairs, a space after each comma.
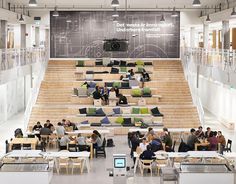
{"points": [[110, 143], [183, 147]]}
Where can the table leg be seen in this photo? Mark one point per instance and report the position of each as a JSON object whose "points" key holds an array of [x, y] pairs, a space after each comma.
{"points": [[87, 164], [91, 151]]}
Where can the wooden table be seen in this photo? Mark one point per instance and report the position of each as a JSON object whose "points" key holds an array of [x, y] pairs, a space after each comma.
{"points": [[25, 153], [205, 144], [32, 141]]}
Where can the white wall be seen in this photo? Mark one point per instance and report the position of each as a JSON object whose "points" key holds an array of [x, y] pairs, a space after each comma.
{"points": [[218, 99]]}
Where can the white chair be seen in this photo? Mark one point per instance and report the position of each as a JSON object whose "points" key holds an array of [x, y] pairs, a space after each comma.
{"points": [[63, 163], [145, 164]]}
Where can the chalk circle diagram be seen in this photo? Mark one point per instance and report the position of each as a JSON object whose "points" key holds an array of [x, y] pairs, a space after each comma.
{"points": [[148, 50]]}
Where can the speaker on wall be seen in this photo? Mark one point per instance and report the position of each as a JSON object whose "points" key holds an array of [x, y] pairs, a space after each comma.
{"points": [[120, 45]]}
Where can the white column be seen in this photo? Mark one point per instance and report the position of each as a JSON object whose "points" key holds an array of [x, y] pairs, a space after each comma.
{"points": [[205, 35], [3, 34], [37, 36], [225, 35], [23, 36], [192, 37]]}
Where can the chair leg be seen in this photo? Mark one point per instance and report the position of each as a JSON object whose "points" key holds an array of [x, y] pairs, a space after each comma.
{"points": [[72, 170]]}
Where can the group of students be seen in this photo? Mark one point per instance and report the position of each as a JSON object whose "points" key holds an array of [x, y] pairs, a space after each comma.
{"points": [[150, 143], [212, 137], [105, 94], [48, 128]]}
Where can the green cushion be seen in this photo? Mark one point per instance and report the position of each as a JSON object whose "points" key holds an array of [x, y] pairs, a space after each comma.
{"points": [[136, 92], [144, 110], [138, 120], [135, 110], [117, 84], [139, 62], [140, 69], [80, 63], [123, 69], [120, 120], [91, 111], [146, 91]]}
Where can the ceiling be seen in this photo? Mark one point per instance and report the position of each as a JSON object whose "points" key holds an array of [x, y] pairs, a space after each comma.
{"points": [[131, 3]]}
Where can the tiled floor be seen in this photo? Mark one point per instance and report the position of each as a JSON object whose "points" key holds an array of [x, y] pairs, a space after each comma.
{"points": [[99, 166]]}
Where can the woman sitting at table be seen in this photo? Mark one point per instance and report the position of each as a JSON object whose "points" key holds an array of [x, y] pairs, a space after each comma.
{"points": [[213, 141], [96, 140], [82, 143], [64, 141], [97, 133]]}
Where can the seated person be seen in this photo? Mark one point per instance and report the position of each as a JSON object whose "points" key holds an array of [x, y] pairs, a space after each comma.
{"points": [[166, 138], [131, 72], [122, 99], [37, 127], [148, 154], [49, 125], [105, 94], [143, 145], [63, 142], [208, 132], [192, 139], [156, 144], [45, 130], [221, 140], [200, 133], [112, 93], [82, 143], [18, 133], [145, 76], [60, 130], [97, 133], [97, 93], [149, 135], [213, 141], [96, 140], [68, 123]]}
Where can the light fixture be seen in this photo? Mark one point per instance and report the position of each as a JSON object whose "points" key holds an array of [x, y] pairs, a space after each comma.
{"points": [[115, 13], [233, 14], [55, 13], [33, 3], [208, 20], [115, 20], [115, 3], [174, 13], [162, 18], [68, 21], [196, 3], [21, 19]]}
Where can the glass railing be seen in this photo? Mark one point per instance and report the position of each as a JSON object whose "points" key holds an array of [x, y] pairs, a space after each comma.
{"points": [[10, 58]]}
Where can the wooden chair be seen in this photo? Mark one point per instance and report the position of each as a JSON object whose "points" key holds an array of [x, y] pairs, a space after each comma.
{"points": [[52, 140], [228, 146], [160, 164], [63, 163], [16, 147], [26, 146], [145, 164], [101, 150], [79, 163]]}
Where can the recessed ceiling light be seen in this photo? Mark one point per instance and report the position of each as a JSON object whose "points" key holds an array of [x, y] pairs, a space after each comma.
{"points": [[33, 3], [115, 19], [196, 3], [162, 18], [208, 20], [55, 13], [115, 13], [233, 14], [174, 13], [115, 3], [21, 20]]}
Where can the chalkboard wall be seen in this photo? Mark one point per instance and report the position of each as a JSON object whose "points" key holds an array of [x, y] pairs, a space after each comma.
{"points": [[79, 34]]}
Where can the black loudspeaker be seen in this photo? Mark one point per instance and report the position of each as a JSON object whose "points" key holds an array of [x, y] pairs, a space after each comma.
{"points": [[115, 45]]}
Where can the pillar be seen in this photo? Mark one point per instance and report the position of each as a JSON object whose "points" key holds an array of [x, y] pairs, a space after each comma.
{"points": [[3, 34], [36, 36], [234, 38], [225, 35], [192, 37], [205, 35], [23, 36]]}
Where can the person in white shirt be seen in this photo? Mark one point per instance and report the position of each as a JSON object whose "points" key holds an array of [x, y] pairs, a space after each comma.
{"points": [[143, 144]]}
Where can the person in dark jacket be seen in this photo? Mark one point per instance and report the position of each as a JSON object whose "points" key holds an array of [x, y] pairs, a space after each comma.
{"points": [[192, 139], [148, 154], [134, 144], [97, 93]]}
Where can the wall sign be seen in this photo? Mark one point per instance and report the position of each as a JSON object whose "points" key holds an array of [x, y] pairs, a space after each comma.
{"points": [[80, 34]]}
